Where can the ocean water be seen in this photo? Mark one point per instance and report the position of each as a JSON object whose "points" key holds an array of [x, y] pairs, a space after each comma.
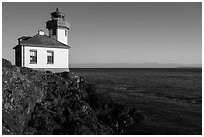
{"points": [[170, 98]]}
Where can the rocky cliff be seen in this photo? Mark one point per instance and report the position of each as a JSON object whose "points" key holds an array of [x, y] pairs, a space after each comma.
{"points": [[42, 102]]}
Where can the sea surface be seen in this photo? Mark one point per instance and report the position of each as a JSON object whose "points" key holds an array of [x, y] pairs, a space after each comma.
{"points": [[171, 98]]}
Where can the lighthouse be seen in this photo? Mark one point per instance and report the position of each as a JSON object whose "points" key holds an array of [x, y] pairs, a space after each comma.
{"points": [[46, 52], [58, 27]]}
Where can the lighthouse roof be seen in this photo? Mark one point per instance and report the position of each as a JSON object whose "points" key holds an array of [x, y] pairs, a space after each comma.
{"points": [[57, 14], [42, 41]]}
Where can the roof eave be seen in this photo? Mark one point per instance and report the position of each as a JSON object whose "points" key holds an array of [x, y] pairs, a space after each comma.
{"points": [[46, 46], [16, 46]]}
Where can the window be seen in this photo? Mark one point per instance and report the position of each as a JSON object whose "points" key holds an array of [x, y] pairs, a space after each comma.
{"points": [[65, 32], [50, 57], [50, 32], [33, 56], [54, 32]]}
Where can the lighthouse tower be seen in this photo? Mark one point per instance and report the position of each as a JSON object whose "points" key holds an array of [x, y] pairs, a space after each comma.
{"points": [[58, 27]]}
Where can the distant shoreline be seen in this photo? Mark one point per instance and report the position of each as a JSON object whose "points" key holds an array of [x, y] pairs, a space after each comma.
{"points": [[138, 68], [132, 65]]}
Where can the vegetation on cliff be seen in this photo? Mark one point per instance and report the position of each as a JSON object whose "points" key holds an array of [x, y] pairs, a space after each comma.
{"points": [[42, 102]]}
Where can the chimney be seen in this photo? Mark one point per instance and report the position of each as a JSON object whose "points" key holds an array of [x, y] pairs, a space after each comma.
{"points": [[41, 32]]}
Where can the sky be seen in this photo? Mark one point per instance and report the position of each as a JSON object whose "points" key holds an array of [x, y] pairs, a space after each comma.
{"points": [[113, 32]]}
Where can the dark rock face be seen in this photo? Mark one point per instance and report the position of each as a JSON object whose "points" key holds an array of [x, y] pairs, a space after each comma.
{"points": [[20, 95], [37, 102], [6, 63]]}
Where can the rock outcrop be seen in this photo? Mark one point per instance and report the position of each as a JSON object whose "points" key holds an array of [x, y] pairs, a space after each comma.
{"points": [[42, 102]]}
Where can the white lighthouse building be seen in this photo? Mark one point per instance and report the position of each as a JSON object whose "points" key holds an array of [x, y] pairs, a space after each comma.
{"points": [[46, 52]]}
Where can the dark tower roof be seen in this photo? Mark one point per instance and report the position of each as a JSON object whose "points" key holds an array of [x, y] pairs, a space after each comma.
{"points": [[58, 20], [57, 15]]}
